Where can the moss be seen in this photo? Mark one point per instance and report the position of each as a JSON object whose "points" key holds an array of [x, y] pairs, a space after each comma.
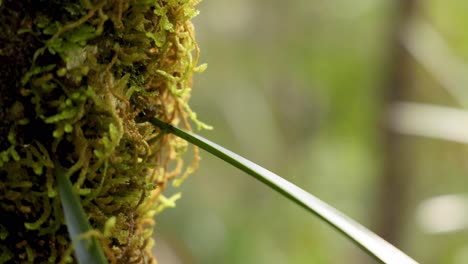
{"points": [[78, 79]]}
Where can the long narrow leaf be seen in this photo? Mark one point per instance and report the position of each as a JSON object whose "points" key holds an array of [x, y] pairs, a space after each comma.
{"points": [[87, 250], [367, 240]]}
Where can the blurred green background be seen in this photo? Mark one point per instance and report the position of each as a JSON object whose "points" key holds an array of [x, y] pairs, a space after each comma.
{"points": [[300, 87]]}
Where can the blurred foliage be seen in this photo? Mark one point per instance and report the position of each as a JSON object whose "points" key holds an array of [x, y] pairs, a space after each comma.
{"points": [[297, 87]]}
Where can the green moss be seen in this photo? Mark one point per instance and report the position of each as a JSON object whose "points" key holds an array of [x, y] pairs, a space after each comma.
{"points": [[80, 80]]}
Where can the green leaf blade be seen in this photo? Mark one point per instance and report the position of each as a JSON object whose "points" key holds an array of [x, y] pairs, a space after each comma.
{"points": [[87, 250], [364, 238]]}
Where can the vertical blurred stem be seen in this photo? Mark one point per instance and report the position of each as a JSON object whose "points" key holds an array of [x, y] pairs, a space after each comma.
{"points": [[393, 186]]}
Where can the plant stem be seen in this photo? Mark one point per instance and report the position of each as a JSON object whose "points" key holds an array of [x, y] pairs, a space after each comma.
{"points": [[368, 241], [87, 250]]}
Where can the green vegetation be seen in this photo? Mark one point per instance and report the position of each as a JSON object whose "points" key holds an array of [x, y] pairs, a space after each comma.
{"points": [[380, 249], [92, 93], [77, 80]]}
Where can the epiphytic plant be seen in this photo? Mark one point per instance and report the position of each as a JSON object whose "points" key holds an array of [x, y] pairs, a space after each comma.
{"points": [[90, 91]]}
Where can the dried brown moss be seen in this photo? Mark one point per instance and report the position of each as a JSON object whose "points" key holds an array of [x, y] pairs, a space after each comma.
{"points": [[78, 80]]}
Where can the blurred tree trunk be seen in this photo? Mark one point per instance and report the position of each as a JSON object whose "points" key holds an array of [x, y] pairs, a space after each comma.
{"points": [[393, 186]]}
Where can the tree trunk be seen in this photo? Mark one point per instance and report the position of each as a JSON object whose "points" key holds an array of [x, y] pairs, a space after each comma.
{"points": [[78, 80], [394, 182]]}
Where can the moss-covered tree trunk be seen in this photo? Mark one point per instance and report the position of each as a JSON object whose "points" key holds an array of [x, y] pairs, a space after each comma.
{"points": [[78, 80]]}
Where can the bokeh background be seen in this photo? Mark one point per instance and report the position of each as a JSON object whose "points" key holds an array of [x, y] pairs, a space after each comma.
{"points": [[343, 98]]}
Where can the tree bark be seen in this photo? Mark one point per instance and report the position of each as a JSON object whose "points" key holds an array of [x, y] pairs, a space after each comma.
{"points": [[394, 184]]}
